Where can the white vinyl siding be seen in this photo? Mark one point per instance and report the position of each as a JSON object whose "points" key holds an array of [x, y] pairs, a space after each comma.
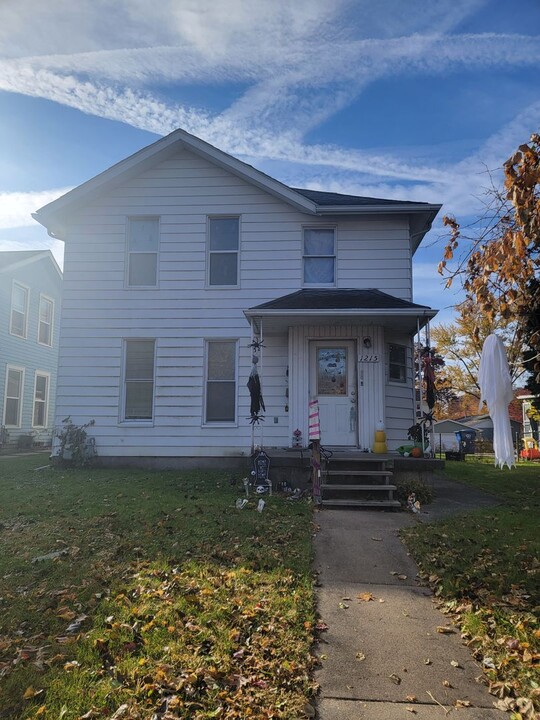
{"points": [[223, 251], [319, 254], [139, 380], [14, 397], [45, 321], [19, 310], [397, 363], [142, 251], [98, 309], [220, 381], [41, 400]]}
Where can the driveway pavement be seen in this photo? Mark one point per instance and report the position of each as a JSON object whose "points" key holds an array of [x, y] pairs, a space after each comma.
{"points": [[383, 658]]}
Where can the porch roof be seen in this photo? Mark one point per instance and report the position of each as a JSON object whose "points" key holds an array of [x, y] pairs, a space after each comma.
{"points": [[335, 306]]}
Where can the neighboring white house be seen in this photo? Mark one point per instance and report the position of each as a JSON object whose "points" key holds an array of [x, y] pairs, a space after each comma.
{"points": [[179, 256]]}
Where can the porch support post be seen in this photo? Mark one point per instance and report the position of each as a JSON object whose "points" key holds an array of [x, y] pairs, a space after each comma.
{"points": [[418, 412], [252, 320]]}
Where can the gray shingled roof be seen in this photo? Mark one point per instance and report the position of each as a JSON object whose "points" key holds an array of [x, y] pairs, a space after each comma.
{"points": [[348, 299], [10, 257], [332, 198]]}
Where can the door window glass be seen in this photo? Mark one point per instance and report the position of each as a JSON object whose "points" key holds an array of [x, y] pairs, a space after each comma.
{"points": [[331, 371]]}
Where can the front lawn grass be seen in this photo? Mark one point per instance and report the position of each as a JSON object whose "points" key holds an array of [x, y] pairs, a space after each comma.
{"points": [[485, 568], [153, 592]]}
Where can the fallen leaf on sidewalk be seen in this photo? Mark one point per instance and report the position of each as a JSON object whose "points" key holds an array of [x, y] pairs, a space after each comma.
{"points": [[343, 606], [447, 684], [427, 661], [454, 663], [402, 577], [445, 630], [377, 539], [411, 698], [463, 703], [411, 710], [395, 678], [365, 596], [360, 656]]}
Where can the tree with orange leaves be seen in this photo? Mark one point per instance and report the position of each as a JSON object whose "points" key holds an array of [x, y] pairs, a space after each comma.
{"points": [[500, 266]]}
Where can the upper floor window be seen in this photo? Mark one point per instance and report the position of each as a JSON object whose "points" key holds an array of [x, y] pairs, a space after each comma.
{"points": [[142, 246], [14, 397], [223, 247], [19, 310], [139, 380], [45, 325], [397, 363], [319, 254], [220, 405], [41, 400]]}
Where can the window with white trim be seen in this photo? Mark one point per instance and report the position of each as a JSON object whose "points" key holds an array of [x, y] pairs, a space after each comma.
{"points": [[397, 363], [19, 310], [319, 256], [223, 251], [45, 324], [220, 381], [41, 400], [139, 360], [142, 251], [14, 397]]}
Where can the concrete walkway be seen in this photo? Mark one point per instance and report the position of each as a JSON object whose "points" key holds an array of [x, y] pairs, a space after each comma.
{"points": [[383, 659]]}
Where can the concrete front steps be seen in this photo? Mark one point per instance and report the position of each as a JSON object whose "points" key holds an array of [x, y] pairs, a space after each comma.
{"points": [[358, 482]]}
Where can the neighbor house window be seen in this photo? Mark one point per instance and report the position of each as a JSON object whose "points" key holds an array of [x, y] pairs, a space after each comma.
{"points": [[41, 400], [139, 380], [319, 253], [14, 396], [143, 245], [397, 363], [19, 310], [45, 326], [220, 404], [223, 246]]}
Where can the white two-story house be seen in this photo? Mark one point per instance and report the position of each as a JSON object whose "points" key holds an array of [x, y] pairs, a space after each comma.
{"points": [[180, 257]]}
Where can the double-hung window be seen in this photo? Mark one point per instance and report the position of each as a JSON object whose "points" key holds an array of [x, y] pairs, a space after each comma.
{"points": [[223, 251], [319, 254], [19, 310], [41, 400], [14, 397], [45, 324], [220, 381], [397, 363], [139, 360], [142, 251]]}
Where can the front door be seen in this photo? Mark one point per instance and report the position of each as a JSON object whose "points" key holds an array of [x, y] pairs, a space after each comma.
{"points": [[333, 382]]}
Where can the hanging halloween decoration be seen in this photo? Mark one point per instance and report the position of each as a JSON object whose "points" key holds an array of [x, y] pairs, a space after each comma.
{"points": [[254, 387], [496, 386]]}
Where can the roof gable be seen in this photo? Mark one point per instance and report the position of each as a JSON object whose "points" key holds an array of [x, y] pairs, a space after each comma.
{"points": [[13, 259], [312, 202]]}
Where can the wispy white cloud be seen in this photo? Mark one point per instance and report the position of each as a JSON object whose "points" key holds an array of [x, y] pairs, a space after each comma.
{"points": [[16, 208]]}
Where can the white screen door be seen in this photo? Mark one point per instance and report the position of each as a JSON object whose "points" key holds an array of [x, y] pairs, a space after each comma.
{"points": [[333, 382]]}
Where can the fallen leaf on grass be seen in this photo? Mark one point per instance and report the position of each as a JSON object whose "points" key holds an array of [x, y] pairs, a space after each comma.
{"points": [[30, 693]]}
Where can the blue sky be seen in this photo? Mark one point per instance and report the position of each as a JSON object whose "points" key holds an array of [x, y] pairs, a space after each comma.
{"points": [[385, 98]]}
